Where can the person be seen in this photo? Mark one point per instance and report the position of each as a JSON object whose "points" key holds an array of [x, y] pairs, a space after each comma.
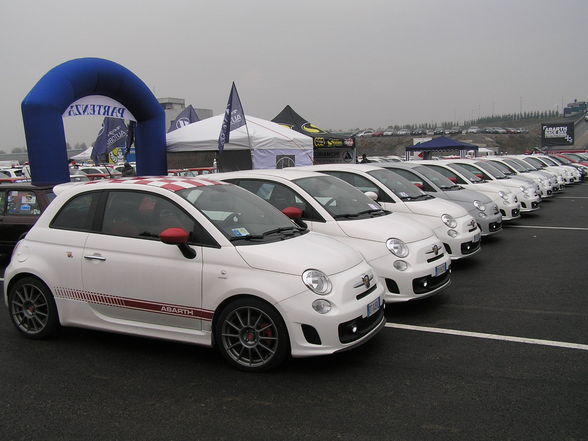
{"points": [[128, 170], [364, 159]]}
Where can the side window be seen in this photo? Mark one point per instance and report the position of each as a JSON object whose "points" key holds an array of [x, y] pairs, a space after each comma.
{"points": [[362, 184], [416, 180], [22, 203], [145, 215], [78, 213], [448, 174], [2, 203]]}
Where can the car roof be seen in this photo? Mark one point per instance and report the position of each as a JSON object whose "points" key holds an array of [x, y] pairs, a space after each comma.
{"points": [[171, 183], [343, 167], [25, 186], [289, 173]]}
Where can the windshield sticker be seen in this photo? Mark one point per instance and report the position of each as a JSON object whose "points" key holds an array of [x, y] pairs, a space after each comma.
{"points": [[239, 232], [403, 194], [374, 206]]}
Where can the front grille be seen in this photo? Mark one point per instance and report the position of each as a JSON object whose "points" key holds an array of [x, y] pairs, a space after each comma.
{"points": [[469, 247], [473, 229], [502, 212], [447, 248], [363, 326], [495, 226], [426, 284], [365, 293], [549, 192], [432, 259], [523, 205]]}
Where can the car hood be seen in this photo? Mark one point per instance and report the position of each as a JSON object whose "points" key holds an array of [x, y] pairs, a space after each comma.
{"points": [[295, 255], [465, 195], [435, 207], [380, 229]]}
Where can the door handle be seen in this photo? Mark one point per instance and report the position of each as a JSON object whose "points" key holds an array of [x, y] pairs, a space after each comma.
{"points": [[95, 257]]}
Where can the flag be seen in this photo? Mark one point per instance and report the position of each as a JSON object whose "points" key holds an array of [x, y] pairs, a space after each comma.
{"points": [[234, 118], [187, 116], [111, 141]]}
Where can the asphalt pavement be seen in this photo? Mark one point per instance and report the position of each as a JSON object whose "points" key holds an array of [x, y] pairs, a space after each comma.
{"points": [[501, 355]]}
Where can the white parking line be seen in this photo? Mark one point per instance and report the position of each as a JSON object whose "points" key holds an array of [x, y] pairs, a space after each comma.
{"points": [[547, 228], [531, 341]]}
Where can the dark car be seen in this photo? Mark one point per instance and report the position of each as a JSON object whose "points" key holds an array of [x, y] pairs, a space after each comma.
{"points": [[20, 207]]}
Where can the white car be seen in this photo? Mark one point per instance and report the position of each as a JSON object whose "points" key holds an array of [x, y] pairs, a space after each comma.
{"points": [[483, 209], [408, 258], [575, 173], [527, 193], [190, 260], [507, 202], [511, 167], [566, 174], [452, 224]]}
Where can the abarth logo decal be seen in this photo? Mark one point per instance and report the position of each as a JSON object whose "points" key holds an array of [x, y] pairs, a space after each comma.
{"points": [[127, 303], [435, 250], [366, 280]]}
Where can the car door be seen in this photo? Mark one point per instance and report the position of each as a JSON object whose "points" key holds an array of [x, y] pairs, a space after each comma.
{"points": [[129, 274]]}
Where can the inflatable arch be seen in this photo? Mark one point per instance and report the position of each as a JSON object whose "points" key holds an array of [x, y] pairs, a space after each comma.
{"points": [[43, 107]]}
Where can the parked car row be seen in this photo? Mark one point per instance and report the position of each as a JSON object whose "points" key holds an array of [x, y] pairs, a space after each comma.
{"points": [[441, 131], [261, 264]]}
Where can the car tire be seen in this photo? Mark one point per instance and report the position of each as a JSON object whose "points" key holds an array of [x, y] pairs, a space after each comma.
{"points": [[32, 308], [251, 335]]}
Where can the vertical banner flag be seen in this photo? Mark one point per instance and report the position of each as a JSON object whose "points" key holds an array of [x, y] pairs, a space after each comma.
{"points": [[111, 142], [187, 116], [234, 118]]}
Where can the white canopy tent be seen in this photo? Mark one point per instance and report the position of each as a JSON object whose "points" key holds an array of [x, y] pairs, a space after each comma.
{"points": [[271, 145]]}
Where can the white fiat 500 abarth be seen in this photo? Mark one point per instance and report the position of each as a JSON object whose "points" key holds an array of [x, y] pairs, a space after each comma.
{"points": [[191, 260], [408, 258]]}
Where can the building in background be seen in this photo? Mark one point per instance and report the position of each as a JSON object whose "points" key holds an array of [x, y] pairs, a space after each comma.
{"points": [[174, 106]]}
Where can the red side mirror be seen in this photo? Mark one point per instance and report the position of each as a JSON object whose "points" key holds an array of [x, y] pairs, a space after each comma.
{"points": [[174, 236], [419, 185], [454, 180], [479, 175], [293, 212]]}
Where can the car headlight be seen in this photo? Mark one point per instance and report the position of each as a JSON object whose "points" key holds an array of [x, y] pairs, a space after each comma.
{"points": [[397, 247], [449, 220], [479, 205], [503, 195], [317, 281]]}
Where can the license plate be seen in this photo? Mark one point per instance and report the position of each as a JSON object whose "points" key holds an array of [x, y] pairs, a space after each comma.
{"points": [[373, 307], [440, 269], [477, 237]]}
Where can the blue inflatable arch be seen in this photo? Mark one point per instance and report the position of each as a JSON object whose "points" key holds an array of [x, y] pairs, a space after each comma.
{"points": [[43, 107]]}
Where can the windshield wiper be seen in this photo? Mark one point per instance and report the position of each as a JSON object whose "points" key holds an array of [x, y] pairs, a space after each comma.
{"points": [[293, 229], [415, 198]]}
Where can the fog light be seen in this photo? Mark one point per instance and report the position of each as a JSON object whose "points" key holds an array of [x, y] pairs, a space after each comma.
{"points": [[452, 233], [400, 265], [354, 329], [425, 284], [321, 306]]}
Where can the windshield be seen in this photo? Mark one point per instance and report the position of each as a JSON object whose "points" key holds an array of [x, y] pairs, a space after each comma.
{"points": [[574, 156], [549, 161], [340, 199], [503, 168], [240, 215], [561, 160], [437, 178], [535, 162], [518, 167], [524, 165], [465, 173], [491, 170], [399, 185]]}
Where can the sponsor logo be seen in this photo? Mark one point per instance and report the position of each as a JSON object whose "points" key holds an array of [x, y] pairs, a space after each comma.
{"points": [[182, 122], [96, 110], [366, 280], [319, 142]]}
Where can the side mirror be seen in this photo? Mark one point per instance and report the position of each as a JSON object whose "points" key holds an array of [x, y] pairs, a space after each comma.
{"points": [[479, 175], [419, 185], [179, 237], [454, 180], [372, 195], [293, 212]]}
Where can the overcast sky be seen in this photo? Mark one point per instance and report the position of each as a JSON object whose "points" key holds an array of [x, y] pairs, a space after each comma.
{"points": [[340, 64]]}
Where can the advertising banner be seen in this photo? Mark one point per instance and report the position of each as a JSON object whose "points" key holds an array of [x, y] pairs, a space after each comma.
{"points": [[557, 134]]}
